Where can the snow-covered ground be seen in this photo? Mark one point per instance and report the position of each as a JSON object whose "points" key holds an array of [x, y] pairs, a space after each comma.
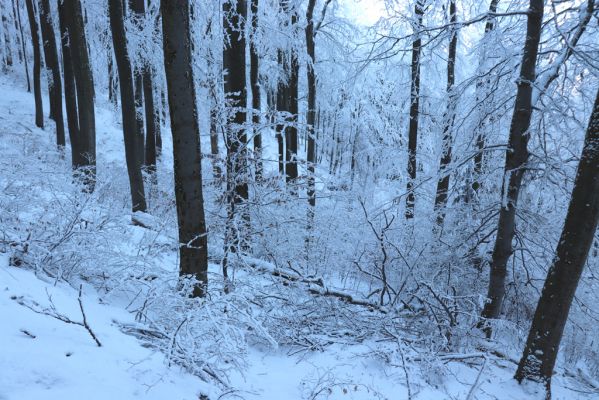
{"points": [[42, 357]]}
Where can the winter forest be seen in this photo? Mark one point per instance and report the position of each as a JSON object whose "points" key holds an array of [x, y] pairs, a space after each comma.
{"points": [[299, 199]]}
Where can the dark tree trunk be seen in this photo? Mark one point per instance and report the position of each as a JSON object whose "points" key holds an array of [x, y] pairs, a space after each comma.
{"points": [[414, 110], [18, 8], [193, 248], [144, 74], [214, 133], [287, 100], [18, 44], [552, 311], [130, 128], [481, 136], [515, 164], [152, 124], [444, 174], [70, 91], [234, 62], [53, 70], [84, 84], [255, 81], [311, 114], [35, 41], [7, 44]]}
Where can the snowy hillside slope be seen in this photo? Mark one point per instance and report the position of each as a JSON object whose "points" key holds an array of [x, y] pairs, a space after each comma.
{"points": [[197, 348]]}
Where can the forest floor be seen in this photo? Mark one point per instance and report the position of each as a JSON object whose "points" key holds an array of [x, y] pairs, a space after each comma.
{"points": [[46, 352]]}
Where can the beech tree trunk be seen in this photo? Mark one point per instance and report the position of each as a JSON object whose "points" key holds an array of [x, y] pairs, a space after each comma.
{"points": [[144, 74], [482, 89], [70, 92], [234, 62], [35, 41], [255, 81], [414, 110], [287, 101], [20, 24], [515, 164], [137, 7], [311, 114], [193, 241], [53, 70], [551, 315], [444, 175], [84, 84], [128, 109]]}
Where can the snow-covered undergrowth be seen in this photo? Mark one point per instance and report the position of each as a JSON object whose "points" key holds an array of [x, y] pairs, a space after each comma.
{"points": [[283, 332]]}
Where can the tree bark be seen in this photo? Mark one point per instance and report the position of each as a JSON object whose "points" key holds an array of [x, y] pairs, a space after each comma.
{"points": [[255, 82], [414, 109], [84, 84], [35, 41], [444, 175], [551, 315], [144, 74], [128, 109], [515, 164], [53, 70], [137, 7], [482, 89], [287, 101], [18, 14], [70, 92], [193, 250], [311, 114], [234, 62]]}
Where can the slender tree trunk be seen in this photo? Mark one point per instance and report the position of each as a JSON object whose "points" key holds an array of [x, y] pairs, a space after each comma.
{"points": [[214, 133], [482, 89], [53, 70], [7, 42], [144, 74], [551, 315], [234, 61], [35, 41], [130, 127], [443, 182], [287, 101], [255, 81], [193, 250], [311, 114], [84, 84], [414, 110], [18, 8], [515, 164], [70, 91]]}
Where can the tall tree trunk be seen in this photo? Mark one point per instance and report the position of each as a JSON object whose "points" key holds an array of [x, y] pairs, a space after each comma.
{"points": [[53, 70], [234, 62], [18, 8], [84, 84], [311, 114], [144, 74], [444, 174], [214, 132], [35, 41], [551, 315], [414, 109], [137, 8], [128, 110], [70, 91], [255, 82], [193, 248], [515, 164], [482, 89], [287, 100], [7, 43]]}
